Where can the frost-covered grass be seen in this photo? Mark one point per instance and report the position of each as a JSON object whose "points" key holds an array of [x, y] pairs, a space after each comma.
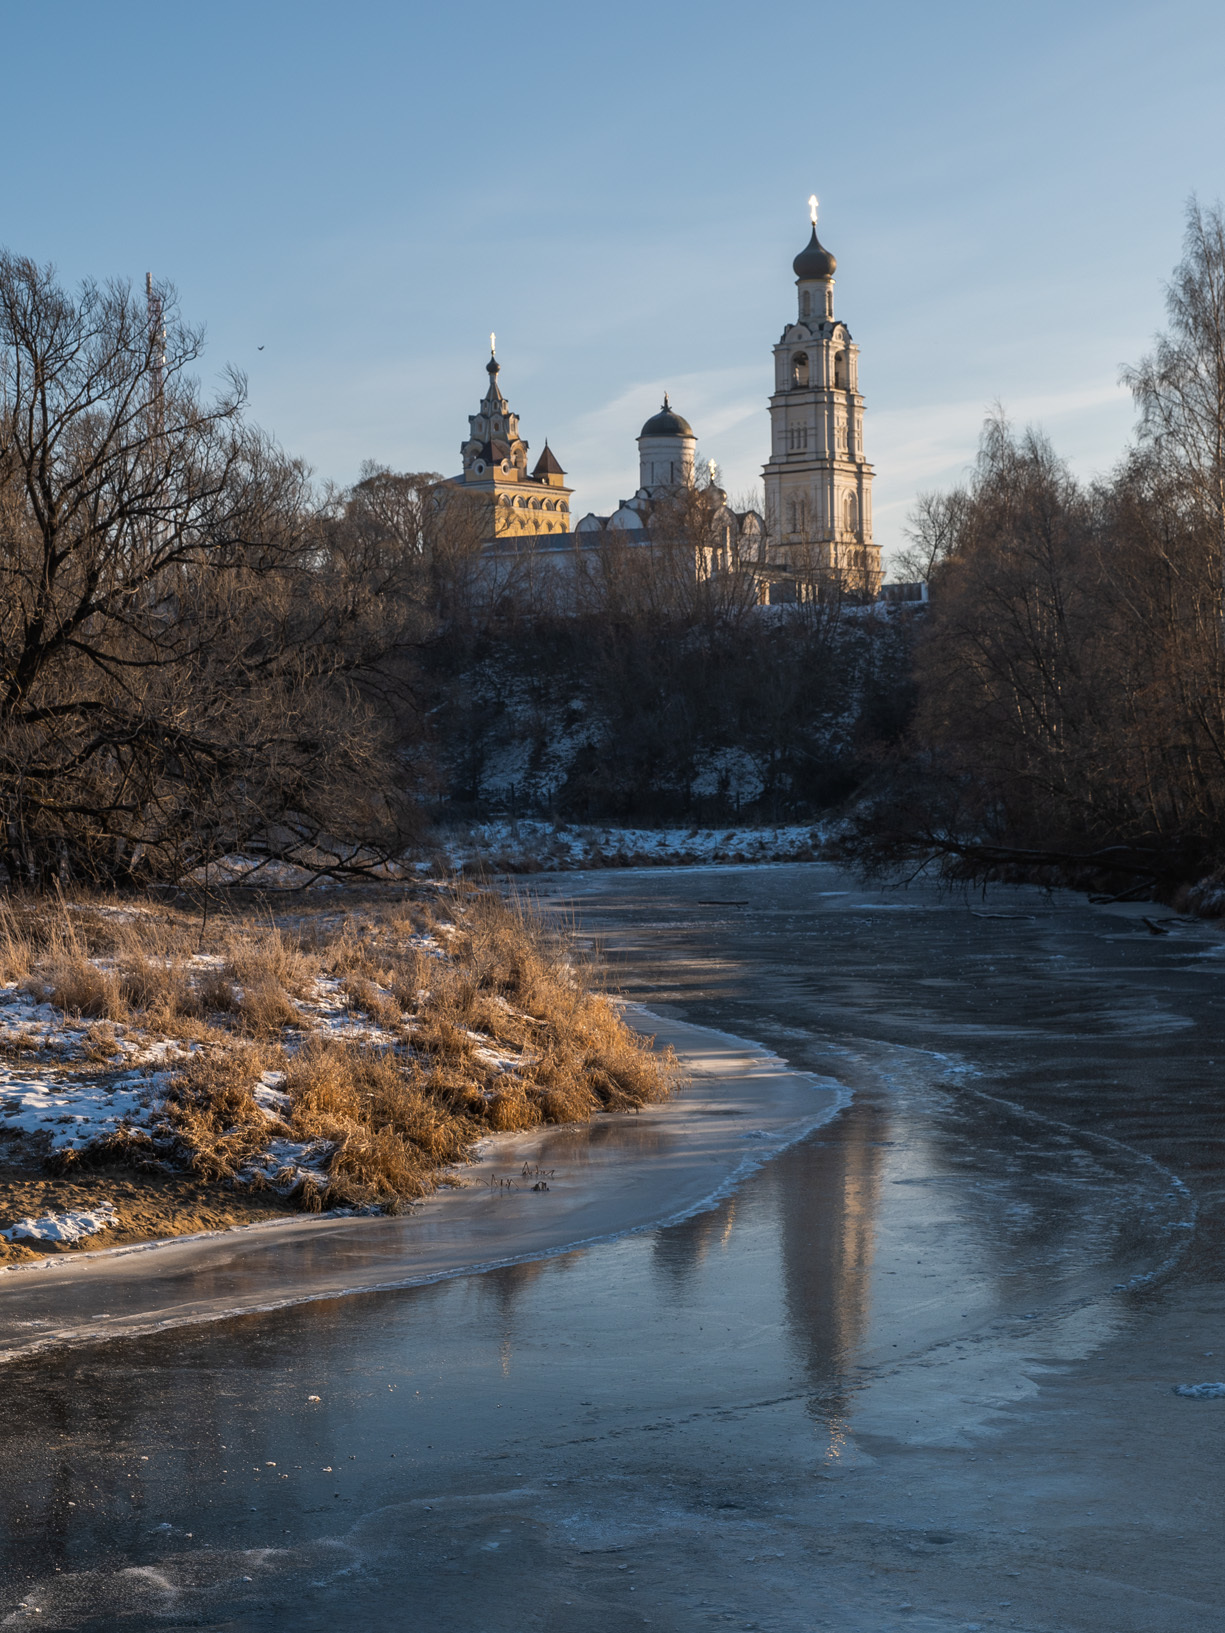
{"points": [[336, 1056]]}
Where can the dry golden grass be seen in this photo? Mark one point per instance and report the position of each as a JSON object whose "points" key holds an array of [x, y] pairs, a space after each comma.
{"points": [[101, 1044], [261, 957], [265, 1009], [490, 1025], [365, 998], [389, 1130], [216, 993], [162, 988], [20, 1043], [79, 987], [213, 1111], [16, 955]]}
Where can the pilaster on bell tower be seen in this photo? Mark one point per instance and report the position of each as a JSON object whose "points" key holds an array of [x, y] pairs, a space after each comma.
{"points": [[818, 484]]}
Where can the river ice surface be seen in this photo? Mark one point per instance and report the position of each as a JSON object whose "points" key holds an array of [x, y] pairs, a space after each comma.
{"points": [[915, 1371]]}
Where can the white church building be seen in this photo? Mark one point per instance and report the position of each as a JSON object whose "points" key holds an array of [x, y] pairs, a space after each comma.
{"points": [[667, 445], [817, 521]]}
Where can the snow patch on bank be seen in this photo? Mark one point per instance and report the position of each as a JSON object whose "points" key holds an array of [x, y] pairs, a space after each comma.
{"points": [[63, 1228], [70, 1113], [671, 1161]]}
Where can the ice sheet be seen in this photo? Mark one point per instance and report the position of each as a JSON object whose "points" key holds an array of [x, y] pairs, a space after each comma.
{"points": [[618, 1174]]}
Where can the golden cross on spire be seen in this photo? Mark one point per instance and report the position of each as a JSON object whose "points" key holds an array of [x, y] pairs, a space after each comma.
{"points": [[812, 208]]}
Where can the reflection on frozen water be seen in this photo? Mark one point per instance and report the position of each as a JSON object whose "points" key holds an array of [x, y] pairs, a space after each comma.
{"points": [[1015, 1162]]}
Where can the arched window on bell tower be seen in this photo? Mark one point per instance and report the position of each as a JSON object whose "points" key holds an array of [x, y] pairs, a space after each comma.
{"points": [[850, 512], [799, 369], [805, 304], [839, 371]]}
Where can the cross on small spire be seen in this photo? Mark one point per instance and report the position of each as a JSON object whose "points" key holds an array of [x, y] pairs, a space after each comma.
{"points": [[812, 208]]}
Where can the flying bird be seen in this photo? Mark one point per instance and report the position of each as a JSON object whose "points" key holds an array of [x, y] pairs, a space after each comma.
{"points": [[259, 348]]}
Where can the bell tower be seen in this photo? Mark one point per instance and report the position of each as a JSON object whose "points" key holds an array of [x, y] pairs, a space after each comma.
{"points": [[818, 484], [516, 503]]}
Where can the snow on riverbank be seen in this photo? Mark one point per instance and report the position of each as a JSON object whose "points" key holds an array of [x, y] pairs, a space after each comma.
{"points": [[344, 1060], [72, 1113], [531, 846], [64, 1229]]}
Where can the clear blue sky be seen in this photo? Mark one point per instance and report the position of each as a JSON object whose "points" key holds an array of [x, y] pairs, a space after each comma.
{"points": [[367, 190]]}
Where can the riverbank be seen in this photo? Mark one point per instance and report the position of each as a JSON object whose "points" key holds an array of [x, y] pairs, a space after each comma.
{"points": [[536, 846], [526, 1196], [526, 845], [161, 1074]]}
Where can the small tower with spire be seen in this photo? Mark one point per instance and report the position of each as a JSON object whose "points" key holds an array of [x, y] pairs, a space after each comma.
{"points": [[818, 484], [521, 504]]}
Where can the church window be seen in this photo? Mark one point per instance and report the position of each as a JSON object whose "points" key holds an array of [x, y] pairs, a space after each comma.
{"points": [[797, 438], [799, 369], [804, 304], [851, 513], [840, 371]]}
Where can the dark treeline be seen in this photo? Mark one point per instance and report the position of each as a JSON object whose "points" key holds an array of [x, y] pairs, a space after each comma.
{"points": [[696, 709], [1069, 678], [203, 653]]}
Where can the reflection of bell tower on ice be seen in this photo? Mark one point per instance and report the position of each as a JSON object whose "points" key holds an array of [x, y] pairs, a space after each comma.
{"points": [[818, 484]]}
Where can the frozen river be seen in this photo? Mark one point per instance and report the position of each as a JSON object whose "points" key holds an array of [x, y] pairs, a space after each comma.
{"points": [[914, 1370]]}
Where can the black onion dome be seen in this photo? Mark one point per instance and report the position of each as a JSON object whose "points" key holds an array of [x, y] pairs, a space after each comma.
{"points": [[666, 423], [814, 260]]}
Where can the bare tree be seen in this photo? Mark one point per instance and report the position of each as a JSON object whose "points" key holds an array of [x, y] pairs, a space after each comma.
{"points": [[933, 529], [1180, 387], [180, 652]]}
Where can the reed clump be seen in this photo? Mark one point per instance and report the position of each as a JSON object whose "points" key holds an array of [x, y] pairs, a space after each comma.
{"points": [[218, 1123], [390, 1128], [81, 988]]}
